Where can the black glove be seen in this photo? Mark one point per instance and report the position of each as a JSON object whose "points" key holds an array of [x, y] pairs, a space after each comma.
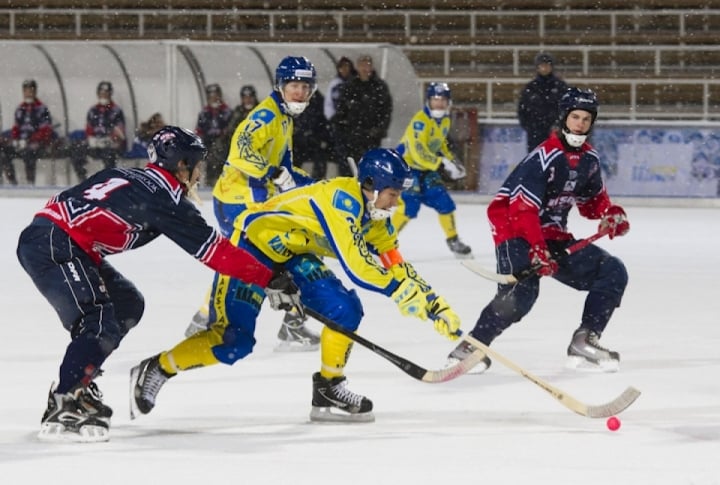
{"points": [[283, 293]]}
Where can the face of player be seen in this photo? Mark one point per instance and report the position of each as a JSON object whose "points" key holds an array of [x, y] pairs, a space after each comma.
{"points": [[579, 122], [296, 92], [387, 198], [438, 103]]}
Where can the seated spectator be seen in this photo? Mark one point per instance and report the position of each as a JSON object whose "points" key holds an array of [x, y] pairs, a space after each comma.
{"points": [[6, 155], [32, 131], [104, 133], [143, 135], [212, 128]]}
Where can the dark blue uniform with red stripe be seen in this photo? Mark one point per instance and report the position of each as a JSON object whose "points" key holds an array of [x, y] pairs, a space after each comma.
{"points": [[64, 248], [531, 208]]}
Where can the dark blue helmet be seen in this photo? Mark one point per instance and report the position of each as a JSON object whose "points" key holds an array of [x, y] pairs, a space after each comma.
{"points": [[295, 69], [171, 144], [438, 90], [382, 168], [576, 98]]}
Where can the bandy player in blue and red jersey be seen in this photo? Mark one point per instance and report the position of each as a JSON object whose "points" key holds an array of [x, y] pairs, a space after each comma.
{"points": [[116, 210], [528, 217]]}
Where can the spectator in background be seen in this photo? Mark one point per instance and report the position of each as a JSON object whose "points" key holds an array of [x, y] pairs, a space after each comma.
{"points": [[32, 131], [104, 133], [6, 155], [248, 101], [345, 71], [312, 141], [212, 127], [143, 136], [538, 106], [363, 114]]}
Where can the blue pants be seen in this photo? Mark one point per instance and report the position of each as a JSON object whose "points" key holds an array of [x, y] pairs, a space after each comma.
{"points": [[427, 189], [235, 305], [95, 303], [591, 269]]}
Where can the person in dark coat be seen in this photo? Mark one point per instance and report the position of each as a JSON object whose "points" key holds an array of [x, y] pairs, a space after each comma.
{"points": [[538, 106], [312, 141], [363, 114]]}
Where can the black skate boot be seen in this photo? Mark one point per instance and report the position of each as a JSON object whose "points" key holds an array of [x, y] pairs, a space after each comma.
{"points": [[459, 248], [333, 402], [65, 419], [585, 353], [294, 336], [465, 350], [90, 399], [146, 379]]}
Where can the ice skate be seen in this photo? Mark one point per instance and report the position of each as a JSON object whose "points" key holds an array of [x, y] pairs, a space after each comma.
{"points": [[90, 399], [146, 379], [199, 323], [463, 351], [459, 248], [332, 401], [294, 336], [65, 419], [585, 353]]}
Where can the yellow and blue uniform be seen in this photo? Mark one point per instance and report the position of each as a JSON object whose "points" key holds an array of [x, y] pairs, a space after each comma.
{"points": [[296, 229], [260, 145], [423, 147]]}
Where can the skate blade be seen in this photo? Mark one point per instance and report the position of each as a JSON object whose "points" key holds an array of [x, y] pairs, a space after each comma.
{"points": [[477, 369], [295, 346], [463, 256], [320, 414], [56, 432], [134, 410], [583, 365]]}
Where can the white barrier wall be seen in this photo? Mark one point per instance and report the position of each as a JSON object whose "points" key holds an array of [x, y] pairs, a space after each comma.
{"points": [[169, 76], [679, 160]]}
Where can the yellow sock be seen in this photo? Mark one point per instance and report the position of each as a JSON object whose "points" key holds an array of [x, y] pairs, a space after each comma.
{"points": [[195, 351], [334, 352], [447, 222]]}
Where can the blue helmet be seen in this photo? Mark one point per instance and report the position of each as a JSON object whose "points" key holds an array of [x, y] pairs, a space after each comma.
{"points": [[382, 168], [576, 98], [295, 69], [171, 144], [438, 90]]}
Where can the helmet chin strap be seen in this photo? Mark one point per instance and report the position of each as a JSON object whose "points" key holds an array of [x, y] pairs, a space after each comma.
{"points": [[377, 214], [293, 108]]}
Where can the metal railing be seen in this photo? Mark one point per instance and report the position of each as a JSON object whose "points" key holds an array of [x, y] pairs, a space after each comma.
{"points": [[703, 107], [413, 25]]}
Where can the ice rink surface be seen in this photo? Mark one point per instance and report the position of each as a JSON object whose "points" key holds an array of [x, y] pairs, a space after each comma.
{"points": [[248, 424]]}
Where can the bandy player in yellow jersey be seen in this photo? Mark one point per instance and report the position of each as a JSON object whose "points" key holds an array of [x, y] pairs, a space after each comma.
{"points": [[344, 218], [424, 148], [260, 165]]}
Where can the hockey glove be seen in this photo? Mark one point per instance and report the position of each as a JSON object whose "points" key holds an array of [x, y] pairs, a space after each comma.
{"points": [[411, 299], [454, 170], [283, 179], [447, 322], [542, 261], [614, 222], [283, 293]]}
